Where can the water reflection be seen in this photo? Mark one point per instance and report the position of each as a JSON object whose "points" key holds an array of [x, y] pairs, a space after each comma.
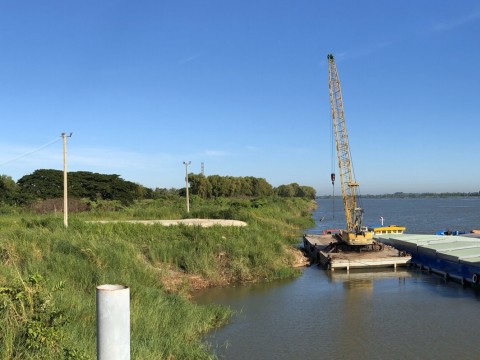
{"points": [[365, 279]]}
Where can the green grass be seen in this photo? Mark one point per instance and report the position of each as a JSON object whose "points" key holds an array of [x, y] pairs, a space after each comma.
{"points": [[147, 258]]}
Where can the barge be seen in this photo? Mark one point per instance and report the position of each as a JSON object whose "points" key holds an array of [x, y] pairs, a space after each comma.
{"points": [[455, 257], [327, 251]]}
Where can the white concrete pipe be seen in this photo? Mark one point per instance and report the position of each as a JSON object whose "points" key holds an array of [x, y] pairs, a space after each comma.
{"points": [[113, 322]]}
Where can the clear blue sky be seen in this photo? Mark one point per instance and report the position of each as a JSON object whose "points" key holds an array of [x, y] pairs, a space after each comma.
{"points": [[242, 86]]}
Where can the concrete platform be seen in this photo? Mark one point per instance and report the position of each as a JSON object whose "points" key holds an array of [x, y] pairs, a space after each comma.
{"points": [[326, 250], [187, 222]]}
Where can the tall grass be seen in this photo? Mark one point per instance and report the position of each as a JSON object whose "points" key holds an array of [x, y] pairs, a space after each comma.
{"points": [[158, 263]]}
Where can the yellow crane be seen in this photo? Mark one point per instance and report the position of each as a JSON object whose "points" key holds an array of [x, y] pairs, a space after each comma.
{"points": [[355, 234]]}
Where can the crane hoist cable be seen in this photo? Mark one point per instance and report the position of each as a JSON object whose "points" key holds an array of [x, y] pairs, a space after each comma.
{"points": [[332, 167]]}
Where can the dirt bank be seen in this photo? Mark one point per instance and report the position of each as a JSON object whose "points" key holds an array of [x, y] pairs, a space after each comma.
{"points": [[179, 282]]}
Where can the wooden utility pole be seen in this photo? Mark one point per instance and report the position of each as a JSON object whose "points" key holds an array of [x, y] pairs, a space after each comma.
{"points": [[65, 192], [186, 163]]}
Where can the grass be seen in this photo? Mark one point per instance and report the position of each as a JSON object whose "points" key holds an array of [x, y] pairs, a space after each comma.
{"points": [[161, 265]]}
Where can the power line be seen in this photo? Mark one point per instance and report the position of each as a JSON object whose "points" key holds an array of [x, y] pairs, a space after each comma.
{"points": [[31, 152]]}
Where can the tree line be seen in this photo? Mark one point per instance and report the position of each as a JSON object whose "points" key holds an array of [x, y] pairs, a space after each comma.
{"points": [[46, 184], [230, 186], [403, 195]]}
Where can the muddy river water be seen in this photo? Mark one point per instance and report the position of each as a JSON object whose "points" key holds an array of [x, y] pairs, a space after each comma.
{"points": [[383, 314]]}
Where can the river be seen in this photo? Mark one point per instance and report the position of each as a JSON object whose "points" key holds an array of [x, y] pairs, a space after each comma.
{"points": [[383, 314]]}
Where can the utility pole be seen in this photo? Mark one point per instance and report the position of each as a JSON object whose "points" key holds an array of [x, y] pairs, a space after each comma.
{"points": [[65, 192], [186, 163]]}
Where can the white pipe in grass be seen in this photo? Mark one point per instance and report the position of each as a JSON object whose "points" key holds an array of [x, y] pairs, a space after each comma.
{"points": [[113, 322]]}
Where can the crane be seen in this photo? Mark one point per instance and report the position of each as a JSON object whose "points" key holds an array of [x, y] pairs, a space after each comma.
{"points": [[355, 234]]}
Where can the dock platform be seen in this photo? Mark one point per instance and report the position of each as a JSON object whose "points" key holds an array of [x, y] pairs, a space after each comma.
{"points": [[321, 250], [455, 257]]}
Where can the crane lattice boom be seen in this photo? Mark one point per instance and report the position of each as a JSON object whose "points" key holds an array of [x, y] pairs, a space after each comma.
{"points": [[355, 234]]}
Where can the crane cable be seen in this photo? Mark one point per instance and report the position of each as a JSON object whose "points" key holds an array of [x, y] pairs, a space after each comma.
{"points": [[31, 151], [357, 190]]}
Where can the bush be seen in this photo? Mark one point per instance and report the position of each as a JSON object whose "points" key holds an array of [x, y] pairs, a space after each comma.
{"points": [[33, 325]]}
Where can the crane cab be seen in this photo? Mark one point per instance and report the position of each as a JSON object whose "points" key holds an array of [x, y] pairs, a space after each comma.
{"points": [[354, 239]]}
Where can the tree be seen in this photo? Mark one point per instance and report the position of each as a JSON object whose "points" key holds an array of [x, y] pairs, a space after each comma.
{"points": [[42, 184], [218, 185], [295, 190], [308, 192], [200, 185], [261, 187], [48, 184], [8, 190], [285, 191]]}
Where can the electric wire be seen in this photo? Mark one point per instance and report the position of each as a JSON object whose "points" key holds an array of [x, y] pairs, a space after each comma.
{"points": [[30, 152]]}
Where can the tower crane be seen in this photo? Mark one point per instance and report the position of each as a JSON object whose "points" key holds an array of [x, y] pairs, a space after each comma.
{"points": [[355, 234]]}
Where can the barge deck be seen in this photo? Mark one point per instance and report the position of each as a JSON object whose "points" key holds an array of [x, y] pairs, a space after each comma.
{"points": [[456, 257], [321, 249]]}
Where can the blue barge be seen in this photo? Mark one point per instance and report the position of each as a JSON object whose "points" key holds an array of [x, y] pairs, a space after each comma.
{"points": [[456, 257]]}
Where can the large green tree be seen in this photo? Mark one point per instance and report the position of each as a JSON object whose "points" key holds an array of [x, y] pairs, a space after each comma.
{"points": [[48, 184]]}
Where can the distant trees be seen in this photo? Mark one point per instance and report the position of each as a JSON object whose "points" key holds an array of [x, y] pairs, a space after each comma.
{"points": [[47, 184], [402, 195], [162, 193], [295, 190], [228, 186], [249, 186]]}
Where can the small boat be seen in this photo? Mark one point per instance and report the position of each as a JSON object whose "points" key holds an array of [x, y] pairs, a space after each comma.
{"points": [[382, 229], [450, 232], [391, 229]]}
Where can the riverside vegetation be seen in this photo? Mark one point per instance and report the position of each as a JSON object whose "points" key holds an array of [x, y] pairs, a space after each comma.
{"points": [[48, 274]]}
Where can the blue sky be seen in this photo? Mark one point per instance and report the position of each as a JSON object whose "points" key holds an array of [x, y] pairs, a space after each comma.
{"points": [[242, 86]]}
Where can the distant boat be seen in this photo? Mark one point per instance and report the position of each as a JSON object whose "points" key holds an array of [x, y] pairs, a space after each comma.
{"points": [[391, 229], [450, 232]]}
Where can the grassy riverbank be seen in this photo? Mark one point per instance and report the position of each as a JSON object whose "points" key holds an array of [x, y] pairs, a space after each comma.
{"points": [[49, 274]]}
